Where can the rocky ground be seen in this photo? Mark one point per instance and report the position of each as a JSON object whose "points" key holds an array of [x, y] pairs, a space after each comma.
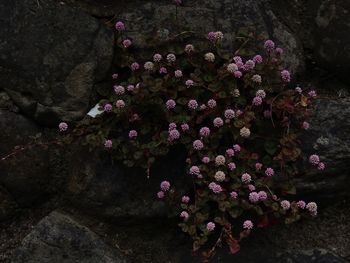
{"points": [[67, 235], [68, 205]]}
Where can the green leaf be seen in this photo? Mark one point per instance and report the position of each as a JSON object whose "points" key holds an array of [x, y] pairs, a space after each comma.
{"points": [[270, 147]]}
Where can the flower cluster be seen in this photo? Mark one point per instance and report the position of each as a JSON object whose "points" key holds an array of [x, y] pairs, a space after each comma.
{"points": [[239, 129]]}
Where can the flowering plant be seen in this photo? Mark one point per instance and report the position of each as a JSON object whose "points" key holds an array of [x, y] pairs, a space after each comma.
{"points": [[235, 115]]}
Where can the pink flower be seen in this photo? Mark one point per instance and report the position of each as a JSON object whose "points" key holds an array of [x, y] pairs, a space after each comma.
{"points": [[312, 93], [262, 195], [211, 36], [185, 199], [204, 132], [220, 176], [170, 104], [256, 78], [231, 166], [130, 88], [171, 58], [163, 70], [173, 135], [127, 43], [198, 145], [306, 125], [312, 207], [253, 197], [62, 126], [244, 132], [258, 166], [132, 134], [215, 187], [192, 104], [279, 51], [120, 26], [269, 172], [108, 143], [114, 76], [261, 93], [234, 195], [249, 65], [257, 101], [205, 159], [237, 59], [203, 107], [211, 103], [157, 57], [238, 74], [149, 66], [240, 65], [184, 215], [172, 126], [178, 2], [229, 114], [185, 127], [321, 166], [195, 170], [237, 148], [298, 89], [210, 226], [248, 224], [314, 159], [246, 178], [135, 66], [301, 204], [160, 194], [269, 45], [274, 197], [189, 83], [120, 104], [189, 48], [258, 59], [108, 107], [285, 75], [285, 204], [178, 73], [251, 187], [220, 160], [210, 57], [119, 90], [218, 122], [230, 152], [232, 67], [165, 186]]}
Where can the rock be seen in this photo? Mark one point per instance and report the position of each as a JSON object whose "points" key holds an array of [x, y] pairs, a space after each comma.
{"points": [[51, 60], [60, 239], [328, 137], [295, 256], [322, 26], [144, 19], [97, 186], [25, 176], [332, 42], [7, 205]]}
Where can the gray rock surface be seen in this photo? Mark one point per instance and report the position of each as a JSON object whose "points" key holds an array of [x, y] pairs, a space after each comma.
{"points": [[97, 186], [329, 137], [50, 57], [323, 27], [60, 239], [26, 175], [144, 19]]}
